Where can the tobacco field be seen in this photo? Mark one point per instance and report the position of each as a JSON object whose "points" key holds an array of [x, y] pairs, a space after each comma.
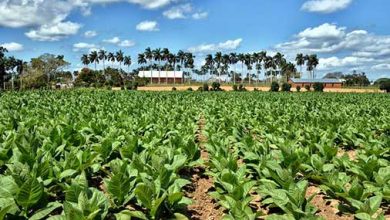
{"points": [[94, 154]]}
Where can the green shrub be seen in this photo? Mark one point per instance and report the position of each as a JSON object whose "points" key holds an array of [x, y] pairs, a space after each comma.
{"points": [[235, 88], [174, 89], [205, 87], [298, 88], [286, 87], [385, 86], [274, 87], [307, 87], [318, 87], [190, 89], [216, 86], [241, 88], [131, 85], [256, 90]]}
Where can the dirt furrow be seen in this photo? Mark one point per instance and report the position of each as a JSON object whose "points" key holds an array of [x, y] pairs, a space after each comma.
{"points": [[204, 207]]}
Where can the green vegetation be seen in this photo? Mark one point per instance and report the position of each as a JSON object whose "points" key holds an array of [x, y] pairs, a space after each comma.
{"points": [[95, 154]]}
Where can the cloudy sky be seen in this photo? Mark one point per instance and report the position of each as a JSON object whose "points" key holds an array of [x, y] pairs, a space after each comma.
{"points": [[346, 34]]}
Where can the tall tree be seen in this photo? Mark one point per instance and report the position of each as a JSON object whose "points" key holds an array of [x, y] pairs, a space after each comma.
{"points": [[189, 63], [300, 61], [263, 57], [157, 56], [241, 58], [312, 62], [248, 63], [94, 58], [85, 60], [233, 61], [218, 59], [127, 62], [149, 56], [119, 58], [181, 57], [209, 63], [165, 55], [102, 55], [270, 66], [111, 57], [172, 61], [3, 50], [279, 61]]}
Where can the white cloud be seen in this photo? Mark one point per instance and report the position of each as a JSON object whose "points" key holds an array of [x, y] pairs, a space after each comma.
{"points": [[90, 34], [147, 26], [200, 15], [36, 13], [120, 43], [325, 6], [54, 32], [83, 46], [126, 43], [27, 13], [323, 31], [223, 46], [341, 49], [178, 12], [346, 62], [114, 40], [383, 66], [152, 4], [329, 38], [12, 46]]}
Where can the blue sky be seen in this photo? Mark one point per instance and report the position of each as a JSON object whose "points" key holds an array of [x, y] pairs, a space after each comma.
{"points": [[346, 34]]}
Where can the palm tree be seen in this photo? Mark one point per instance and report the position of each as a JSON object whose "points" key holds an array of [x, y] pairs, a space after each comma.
{"points": [[141, 59], [300, 60], [85, 60], [288, 69], [312, 62], [279, 60], [218, 58], [263, 56], [241, 58], [181, 57], [3, 50], [165, 55], [269, 63], [149, 56], [127, 62], [233, 61], [190, 64], [94, 58], [119, 58], [172, 61], [209, 63], [111, 57], [102, 55], [248, 62], [226, 63], [157, 57]]}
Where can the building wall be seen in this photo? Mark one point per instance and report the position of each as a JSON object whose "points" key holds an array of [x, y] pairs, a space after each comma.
{"points": [[164, 80], [326, 85]]}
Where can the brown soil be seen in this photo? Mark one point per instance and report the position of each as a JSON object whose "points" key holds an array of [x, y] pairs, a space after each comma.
{"points": [[352, 154], [204, 207], [327, 208]]}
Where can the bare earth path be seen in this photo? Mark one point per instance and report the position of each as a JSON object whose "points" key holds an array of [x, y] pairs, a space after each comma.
{"points": [[204, 207], [251, 88]]}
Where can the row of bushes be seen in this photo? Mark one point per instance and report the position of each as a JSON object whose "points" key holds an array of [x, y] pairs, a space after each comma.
{"points": [[275, 87]]}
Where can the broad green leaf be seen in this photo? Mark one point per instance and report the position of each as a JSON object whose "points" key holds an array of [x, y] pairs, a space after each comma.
{"points": [[30, 193], [42, 213]]}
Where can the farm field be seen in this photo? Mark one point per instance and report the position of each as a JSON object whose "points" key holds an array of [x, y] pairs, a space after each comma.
{"points": [[94, 154]]}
